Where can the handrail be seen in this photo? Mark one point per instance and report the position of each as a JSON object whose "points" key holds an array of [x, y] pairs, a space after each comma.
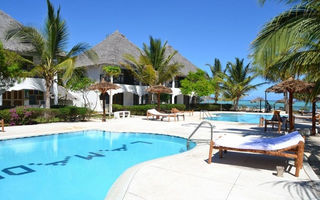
{"points": [[204, 113], [195, 130]]}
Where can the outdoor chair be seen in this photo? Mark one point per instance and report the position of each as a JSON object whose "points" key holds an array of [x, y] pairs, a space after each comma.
{"points": [[275, 120], [154, 113], [288, 146]]}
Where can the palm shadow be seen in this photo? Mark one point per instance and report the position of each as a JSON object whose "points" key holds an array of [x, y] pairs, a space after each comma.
{"points": [[254, 161]]}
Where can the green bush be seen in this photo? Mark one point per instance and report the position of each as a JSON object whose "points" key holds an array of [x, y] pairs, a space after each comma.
{"points": [[5, 114], [142, 109], [73, 113], [211, 107], [83, 113]]}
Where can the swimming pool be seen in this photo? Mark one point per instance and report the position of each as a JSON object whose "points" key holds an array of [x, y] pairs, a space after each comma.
{"points": [[240, 117], [79, 165]]}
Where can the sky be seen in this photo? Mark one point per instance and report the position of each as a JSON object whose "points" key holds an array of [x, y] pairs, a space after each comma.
{"points": [[200, 30]]}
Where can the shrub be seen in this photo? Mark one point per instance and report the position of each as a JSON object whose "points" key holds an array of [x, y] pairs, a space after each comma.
{"points": [[5, 115], [83, 113], [142, 109], [63, 113], [73, 113], [210, 107]]}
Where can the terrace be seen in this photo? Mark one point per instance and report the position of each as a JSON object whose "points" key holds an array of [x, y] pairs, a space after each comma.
{"points": [[188, 175]]}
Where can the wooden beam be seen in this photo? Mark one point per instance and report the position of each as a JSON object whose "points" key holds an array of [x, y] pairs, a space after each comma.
{"points": [[291, 127]]}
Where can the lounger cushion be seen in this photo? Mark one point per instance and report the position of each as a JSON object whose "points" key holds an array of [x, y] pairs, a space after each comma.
{"points": [[267, 144]]}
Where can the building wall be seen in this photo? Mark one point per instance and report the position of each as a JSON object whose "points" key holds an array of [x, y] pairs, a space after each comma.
{"points": [[127, 99], [180, 99]]}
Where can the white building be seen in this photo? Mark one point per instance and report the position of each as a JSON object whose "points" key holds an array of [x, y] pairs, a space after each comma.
{"points": [[110, 52]]}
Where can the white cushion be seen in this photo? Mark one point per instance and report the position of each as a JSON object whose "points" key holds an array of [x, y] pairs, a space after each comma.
{"points": [[267, 144]]}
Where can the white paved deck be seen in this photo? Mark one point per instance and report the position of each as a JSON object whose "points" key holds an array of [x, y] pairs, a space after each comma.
{"points": [[188, 176]]}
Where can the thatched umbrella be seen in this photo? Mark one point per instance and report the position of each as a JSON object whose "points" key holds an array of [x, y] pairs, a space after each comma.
{"points": [[258, 99], [291, 86], [158, 89], [103, 87]]}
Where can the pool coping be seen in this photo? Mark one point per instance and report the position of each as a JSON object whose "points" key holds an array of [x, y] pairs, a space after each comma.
{"points": [[119, 188]]}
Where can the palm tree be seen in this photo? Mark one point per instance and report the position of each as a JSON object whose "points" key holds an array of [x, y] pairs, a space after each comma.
{"points": [[154, 66], [111, 71], [48, 47], [237, 81], [289, 43], [216, 71]]}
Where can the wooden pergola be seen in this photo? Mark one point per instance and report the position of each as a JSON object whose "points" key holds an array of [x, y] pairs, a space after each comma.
{"points": [[159, 89], [291, 86], [103, 87]]}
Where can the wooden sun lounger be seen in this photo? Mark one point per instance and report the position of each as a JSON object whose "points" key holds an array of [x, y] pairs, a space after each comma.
{"points": [[295, 151], [175, 110], [154, 113]]}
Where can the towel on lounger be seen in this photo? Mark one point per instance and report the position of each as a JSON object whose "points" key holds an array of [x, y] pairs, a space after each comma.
{"points": [[267, 144]]}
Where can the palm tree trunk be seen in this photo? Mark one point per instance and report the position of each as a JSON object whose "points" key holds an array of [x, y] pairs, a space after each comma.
{"points": [[236, 104], [47, 94], [216, 98]]}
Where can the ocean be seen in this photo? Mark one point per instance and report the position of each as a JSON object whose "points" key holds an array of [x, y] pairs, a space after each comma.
{"points": [[298, 105]]}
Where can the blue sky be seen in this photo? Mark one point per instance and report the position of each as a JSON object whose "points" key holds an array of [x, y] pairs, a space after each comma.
{"points": [[200, 30]]}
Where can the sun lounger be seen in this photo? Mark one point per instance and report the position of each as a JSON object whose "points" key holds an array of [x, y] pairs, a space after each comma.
{"points": [[175, 110], [288, 146], [154, 113]]}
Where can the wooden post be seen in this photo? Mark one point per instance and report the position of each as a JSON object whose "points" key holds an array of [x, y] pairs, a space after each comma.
{"points": [[2, 125], [291, 127], [313, 130], [104, 108], [220, 152], [210, 152], [158, 95], [299, 160]]}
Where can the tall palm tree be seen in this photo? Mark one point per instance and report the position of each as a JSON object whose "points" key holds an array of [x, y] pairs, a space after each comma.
{"points": [[237, 81], [49, 49], [154, 66], [216, 71]]}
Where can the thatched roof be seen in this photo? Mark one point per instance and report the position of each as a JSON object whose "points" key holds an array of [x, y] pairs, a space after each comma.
{"points": [[111, 50], [291, 85], [103, 86], [188, 66], [159, 89], [258, 99], [6, 23]]}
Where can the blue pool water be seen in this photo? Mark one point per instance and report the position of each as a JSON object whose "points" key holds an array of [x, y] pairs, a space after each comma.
{"points": [[240, 117], [80, 165]]}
